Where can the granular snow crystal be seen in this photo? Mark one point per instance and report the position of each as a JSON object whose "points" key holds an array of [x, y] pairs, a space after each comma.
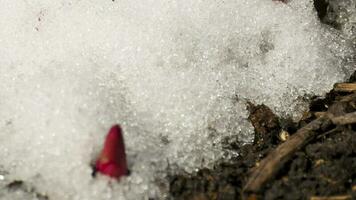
{"points": [[175, 74]]}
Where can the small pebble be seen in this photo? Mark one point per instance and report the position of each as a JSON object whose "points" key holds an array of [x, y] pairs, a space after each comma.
{"points": [[283, 135]]}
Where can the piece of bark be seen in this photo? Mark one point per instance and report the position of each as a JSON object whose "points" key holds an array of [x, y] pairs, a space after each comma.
{"points": [[349, 98], [265, 123], [270, 165], [345, 87], [339, 108], [349, 118]]}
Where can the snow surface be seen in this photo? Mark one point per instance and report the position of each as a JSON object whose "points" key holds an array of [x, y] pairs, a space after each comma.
{"points": [[343, 13], [176, 74]]}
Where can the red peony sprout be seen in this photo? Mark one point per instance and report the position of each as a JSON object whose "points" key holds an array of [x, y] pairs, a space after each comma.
{"points": [[112, 160]]}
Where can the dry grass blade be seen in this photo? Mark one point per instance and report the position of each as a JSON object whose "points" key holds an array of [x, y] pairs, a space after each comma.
{"points": [[345, 87], [341, 197]]}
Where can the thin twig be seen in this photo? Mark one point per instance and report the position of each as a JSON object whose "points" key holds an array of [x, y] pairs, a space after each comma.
{"points": [[338, 128], [349, 118]]}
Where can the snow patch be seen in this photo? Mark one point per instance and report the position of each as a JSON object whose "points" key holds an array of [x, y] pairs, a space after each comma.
{"points": [[174, 74]]}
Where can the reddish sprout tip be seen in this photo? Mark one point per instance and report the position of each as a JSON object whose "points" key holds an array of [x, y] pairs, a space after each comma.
{"points": [[112, 160]]}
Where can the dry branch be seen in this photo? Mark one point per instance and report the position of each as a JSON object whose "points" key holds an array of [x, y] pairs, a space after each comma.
{"points": [[270, 165]]}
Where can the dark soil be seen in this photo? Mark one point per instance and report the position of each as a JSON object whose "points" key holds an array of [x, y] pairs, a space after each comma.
{"points": [[326, 166]]}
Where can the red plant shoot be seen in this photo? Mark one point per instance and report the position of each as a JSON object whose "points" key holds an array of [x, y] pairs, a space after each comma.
{"points": [[112, 160]]}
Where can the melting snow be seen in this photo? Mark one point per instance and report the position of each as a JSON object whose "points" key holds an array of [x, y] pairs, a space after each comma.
{"points": [[176, 75]]}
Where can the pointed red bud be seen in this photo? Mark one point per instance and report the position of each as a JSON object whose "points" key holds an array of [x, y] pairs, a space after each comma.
{"points": [[112, 160]]}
